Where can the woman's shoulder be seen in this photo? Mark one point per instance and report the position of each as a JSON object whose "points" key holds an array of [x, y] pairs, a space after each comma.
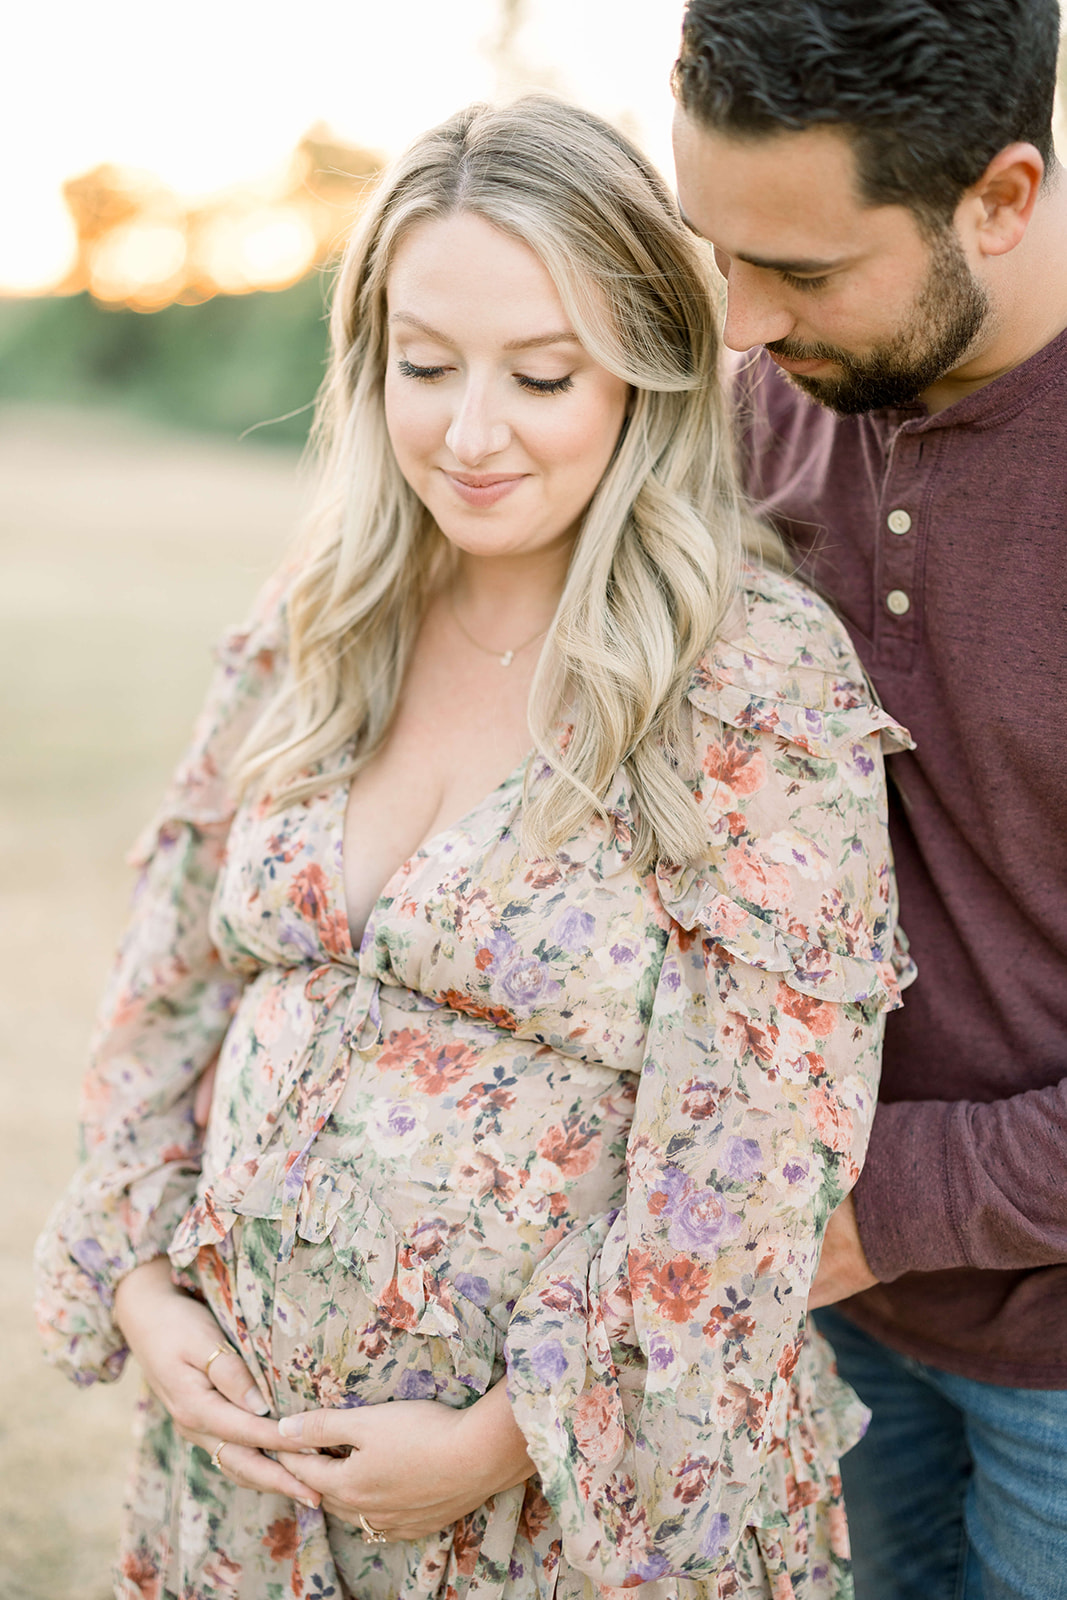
{"points": [[780, 619], [258, 645], [783, 662]]}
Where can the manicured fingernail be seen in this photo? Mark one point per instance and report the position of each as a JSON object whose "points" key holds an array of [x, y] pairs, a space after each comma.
{"points": [[291, 1427], [312, 1505], [254, 1401]]}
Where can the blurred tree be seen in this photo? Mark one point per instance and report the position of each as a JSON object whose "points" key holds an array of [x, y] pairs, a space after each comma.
{"points": [[227, 365]]}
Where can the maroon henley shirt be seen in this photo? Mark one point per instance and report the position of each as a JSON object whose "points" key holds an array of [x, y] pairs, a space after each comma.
{"points": [[942, 542]]}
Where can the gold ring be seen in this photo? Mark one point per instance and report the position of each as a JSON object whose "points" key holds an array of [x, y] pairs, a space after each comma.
{"points": [[219, 1350], [371, 1534], [216, 1459]]}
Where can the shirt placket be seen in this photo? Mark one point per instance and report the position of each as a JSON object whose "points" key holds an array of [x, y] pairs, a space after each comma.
{"points": [[900, 536]]}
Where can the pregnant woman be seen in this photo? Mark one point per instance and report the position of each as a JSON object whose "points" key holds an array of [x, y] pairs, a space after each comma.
{"points": [[528, 878]]}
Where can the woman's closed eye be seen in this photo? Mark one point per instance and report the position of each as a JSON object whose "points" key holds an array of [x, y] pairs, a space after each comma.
{"points": [[545, 385], [532, 385], [424, 374]]}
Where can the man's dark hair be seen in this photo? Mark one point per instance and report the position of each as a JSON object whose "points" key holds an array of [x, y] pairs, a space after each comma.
{"points": [[929, 90]]}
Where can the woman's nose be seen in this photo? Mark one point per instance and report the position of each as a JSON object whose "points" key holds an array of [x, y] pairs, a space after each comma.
{"points": [[477, 430]]}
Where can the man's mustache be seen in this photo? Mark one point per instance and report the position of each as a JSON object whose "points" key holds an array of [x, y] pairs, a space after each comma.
{"points": [[791, 351]]}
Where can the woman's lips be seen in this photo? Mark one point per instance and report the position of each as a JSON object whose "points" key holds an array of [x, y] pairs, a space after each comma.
{"points": [[483, 491]]}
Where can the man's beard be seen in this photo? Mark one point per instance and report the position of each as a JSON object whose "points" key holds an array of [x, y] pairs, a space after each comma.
{"points": [[947, 317]]}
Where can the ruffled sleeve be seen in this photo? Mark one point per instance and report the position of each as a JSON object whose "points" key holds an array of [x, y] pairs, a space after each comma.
{"points": [[164, 1014], [677, 1411]]}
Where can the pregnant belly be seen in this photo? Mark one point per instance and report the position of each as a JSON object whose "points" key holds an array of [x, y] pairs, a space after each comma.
{"points": [[385, 1266]]}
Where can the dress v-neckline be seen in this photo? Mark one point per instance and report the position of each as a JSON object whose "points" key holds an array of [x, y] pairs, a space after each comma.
{"points": [[421, 853]]}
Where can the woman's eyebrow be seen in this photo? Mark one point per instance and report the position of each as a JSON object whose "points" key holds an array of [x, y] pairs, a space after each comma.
{"points": [[558, 336]]}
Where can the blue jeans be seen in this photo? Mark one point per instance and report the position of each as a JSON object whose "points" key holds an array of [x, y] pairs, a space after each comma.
{"points": [[959, 1490]]}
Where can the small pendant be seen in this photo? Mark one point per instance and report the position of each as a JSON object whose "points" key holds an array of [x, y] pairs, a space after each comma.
{"points": [[507, 658]]}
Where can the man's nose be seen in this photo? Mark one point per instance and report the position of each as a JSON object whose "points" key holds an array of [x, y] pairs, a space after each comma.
{"points": [[754, 313], [477, 430]]}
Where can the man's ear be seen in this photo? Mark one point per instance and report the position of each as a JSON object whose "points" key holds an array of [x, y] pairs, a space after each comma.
{"points": [[997, 209]]}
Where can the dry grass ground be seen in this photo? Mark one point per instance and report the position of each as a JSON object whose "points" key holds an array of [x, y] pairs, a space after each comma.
{"points": [[123, 552]]}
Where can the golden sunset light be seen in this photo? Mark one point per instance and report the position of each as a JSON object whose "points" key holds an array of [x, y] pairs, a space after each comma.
{"points": [[174, 160]]}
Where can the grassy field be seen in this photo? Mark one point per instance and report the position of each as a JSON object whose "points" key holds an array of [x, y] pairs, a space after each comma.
{"points": [[123, 552]]}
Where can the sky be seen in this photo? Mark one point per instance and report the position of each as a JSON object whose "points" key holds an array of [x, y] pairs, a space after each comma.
{"points": [[215, 93]]}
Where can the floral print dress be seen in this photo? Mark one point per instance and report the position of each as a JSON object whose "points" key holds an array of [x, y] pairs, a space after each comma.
{"points": [[552, 1121]]}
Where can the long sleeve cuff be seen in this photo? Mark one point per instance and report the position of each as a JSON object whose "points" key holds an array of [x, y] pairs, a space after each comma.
{"points": [[904, 1197]]}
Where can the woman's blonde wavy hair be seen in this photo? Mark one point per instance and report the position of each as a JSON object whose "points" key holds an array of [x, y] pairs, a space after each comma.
{"points": [[655, 564]]}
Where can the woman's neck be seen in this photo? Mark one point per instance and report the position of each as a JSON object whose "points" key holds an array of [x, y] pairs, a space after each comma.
{"points": [[506, 598]]}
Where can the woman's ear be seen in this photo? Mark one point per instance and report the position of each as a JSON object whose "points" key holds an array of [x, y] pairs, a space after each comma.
{"points": [[998, 208]]}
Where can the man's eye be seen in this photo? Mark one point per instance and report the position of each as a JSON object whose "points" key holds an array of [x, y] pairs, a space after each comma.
{"points": [[545, 385], [426, 374], [804, 283]]}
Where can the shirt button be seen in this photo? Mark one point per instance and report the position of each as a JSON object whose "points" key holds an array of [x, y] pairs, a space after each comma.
{"points": [[899, 522], [898, 602]]}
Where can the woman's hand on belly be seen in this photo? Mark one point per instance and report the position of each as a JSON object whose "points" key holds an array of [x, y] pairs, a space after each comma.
{"points": [[416, 1466], [211, 1398]]}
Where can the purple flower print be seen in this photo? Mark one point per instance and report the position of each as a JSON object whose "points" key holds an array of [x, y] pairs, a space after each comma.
{"points": [[416, 1384], [549, 1360], [699, 1221], [525, 980], [702, 1222], [741, 1159], [574, 929], [502, 949], [796, 1171], [716, 1535], [473, 1288], [862, 761], [400, 1120], [660, 1352]]}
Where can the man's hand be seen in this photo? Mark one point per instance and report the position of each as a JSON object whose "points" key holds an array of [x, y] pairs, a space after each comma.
{"points": [[415, 1467], [843, 1268]]}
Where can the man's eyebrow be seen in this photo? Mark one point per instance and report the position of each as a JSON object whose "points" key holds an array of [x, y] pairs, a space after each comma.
{"points": [[808, 264], [801, 264], [559, 336]]}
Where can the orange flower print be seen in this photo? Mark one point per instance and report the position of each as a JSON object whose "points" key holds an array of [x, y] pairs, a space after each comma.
{"points": [[759, 881], [800, 1494], [678, 1287], [395, 1309], [282, 1539], [483, 1171], [401, 1048], [308, 892], [816, 1015], [456, 1000], [571, 1145], [788, 1359], [598, 1430], [536, 1513], [143, 1572], [692, 1475], [735, 768], [466, 1542], [444, 1068], [833, 1121]]}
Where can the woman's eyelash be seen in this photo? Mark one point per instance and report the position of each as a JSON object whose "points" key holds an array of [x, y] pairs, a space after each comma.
{"points": [[409, 370], [804, 283], [535, 385], [545, 385]]}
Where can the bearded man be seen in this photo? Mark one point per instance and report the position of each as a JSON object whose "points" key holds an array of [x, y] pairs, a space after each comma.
{"points": [[878, 181]]}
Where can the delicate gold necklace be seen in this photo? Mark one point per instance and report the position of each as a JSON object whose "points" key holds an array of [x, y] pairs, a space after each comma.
{"points": [[507, 657]]}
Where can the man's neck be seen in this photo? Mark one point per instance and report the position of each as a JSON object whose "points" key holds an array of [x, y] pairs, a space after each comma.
{"points": [[1029, 303]]}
